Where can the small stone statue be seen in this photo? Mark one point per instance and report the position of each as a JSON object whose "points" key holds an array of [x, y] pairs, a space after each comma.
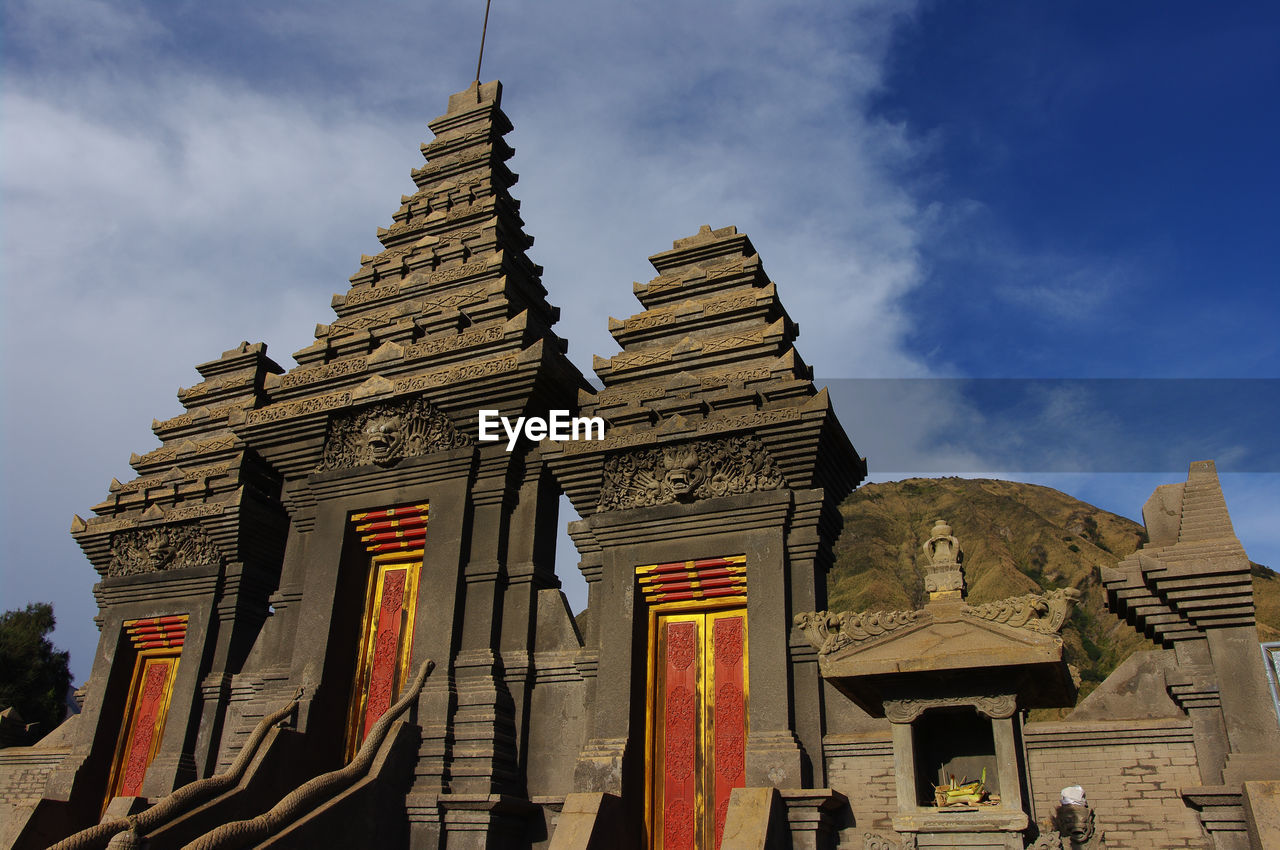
{"points": [[943, 549], [944, 577]]}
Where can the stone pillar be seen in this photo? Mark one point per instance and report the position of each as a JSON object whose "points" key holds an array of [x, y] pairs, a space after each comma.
{"points": [[484, 757], [600, 765], [808, 560], [904, 766], [773, 752], [1007, 762], [1247, 709]]}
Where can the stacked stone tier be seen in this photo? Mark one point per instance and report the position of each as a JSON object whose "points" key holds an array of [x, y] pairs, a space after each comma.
{"points": [[453, 261], [202, 470], [711, 356], [451, 307], [1177, 591]]}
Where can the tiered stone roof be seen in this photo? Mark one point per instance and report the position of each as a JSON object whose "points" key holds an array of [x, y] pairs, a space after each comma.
{"points": [[712, 355], [202, 471], [451, 310], [1193, 574]]}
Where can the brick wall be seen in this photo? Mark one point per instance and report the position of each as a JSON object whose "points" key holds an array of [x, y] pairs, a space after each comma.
{"points": [[861, 768], [24, 771], [1131, 771]]}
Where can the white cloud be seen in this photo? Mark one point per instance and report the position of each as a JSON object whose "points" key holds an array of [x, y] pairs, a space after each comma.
{"points": [[90, 28], [165, 199], [159, 210]]}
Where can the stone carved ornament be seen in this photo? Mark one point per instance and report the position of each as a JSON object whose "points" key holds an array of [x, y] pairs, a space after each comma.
{"points": [[387, 433], [1077, 826], [1046, 840], [829, 631], [688, 473], [171, 547], [943, 573], [1047, 613], [995, 706], [876, 841]]}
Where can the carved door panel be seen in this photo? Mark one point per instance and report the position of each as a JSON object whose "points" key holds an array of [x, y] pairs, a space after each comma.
{"points": [[394, 537], [698, 725], [157, 644]]}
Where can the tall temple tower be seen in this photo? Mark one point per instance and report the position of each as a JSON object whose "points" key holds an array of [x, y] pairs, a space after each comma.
{"points": [[321, 531]]}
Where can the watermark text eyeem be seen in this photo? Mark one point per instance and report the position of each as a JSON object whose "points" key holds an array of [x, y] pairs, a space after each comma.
{"points": [[559, 427]]}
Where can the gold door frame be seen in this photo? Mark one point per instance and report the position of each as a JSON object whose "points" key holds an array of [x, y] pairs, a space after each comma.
{"points": [[706, 611], [143, 661], [411, 561]]}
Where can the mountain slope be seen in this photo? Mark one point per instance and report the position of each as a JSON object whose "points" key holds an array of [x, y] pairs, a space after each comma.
{"points": [[1017, 538]]}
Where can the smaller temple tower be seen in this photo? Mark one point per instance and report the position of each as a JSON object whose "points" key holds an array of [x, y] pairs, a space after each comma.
{"points": [[708, 515], [1190, 590]]}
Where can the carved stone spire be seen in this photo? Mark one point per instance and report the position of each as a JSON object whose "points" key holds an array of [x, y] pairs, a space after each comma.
{"points": [[944, 577], [708, 396]]}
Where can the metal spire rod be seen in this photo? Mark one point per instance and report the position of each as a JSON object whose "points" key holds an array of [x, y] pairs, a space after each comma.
{"points": [[483, 30]]}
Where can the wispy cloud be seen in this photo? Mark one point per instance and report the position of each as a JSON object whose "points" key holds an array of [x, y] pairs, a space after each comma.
{"points": [[171, 192]]}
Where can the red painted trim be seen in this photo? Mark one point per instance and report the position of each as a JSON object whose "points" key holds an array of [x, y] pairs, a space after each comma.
{"points": [[404, 510], [403, 522], [406, 534]]}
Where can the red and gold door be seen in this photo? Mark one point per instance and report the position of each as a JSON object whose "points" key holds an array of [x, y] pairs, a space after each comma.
{"points": [[699, 725], [394, 538], [157, 644]]}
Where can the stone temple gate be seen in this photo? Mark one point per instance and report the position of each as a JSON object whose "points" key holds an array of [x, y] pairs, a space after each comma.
{"points": [[330, 614]]}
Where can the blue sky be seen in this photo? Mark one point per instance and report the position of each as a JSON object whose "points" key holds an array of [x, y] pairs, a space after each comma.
{"points": [[962, 190]]}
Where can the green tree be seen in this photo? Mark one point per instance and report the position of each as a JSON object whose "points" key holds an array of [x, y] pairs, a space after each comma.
{"points": [[34, 676]]}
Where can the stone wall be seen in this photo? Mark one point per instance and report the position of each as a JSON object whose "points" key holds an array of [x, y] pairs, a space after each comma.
{"points": [[1132, 772]]}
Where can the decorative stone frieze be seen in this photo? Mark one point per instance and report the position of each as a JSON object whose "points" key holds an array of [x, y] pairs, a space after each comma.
{"points": [[1040, 613], [165, 547], [385, 434], [829, 631], [995, 706], [688, 472]]}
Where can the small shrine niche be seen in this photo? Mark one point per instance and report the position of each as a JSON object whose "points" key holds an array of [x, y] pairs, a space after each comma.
{"points": [[953, 745], [953, 680]]}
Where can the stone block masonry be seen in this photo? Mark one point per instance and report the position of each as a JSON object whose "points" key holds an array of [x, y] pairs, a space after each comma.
{"points": [[24, 772], [1132, 772], [862, 767]]}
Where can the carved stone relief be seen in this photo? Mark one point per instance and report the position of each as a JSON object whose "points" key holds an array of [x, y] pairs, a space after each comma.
{"points": [[687, 473], [387, 433], [829, 631], [165, 547], [1047, 613], [876, 841], [1077, 826], [995, 706]]}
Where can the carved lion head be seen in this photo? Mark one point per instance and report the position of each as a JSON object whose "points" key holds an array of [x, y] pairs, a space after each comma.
{"points": [[383, 436], [682, 472]]}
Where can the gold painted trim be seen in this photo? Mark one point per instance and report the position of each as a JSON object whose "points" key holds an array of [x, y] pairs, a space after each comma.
{"points": [[703, 612], [379, 565], [142, 661], [709, 731]]}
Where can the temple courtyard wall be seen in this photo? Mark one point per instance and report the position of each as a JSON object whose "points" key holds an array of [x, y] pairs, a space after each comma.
{"points": [[1133, 771]]}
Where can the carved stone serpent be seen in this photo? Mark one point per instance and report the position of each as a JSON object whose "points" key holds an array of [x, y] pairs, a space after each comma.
{"points": [[181, 800], [310, 794]]}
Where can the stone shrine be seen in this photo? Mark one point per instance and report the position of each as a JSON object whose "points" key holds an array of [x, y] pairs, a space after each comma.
{"points": [[330, 615]]}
